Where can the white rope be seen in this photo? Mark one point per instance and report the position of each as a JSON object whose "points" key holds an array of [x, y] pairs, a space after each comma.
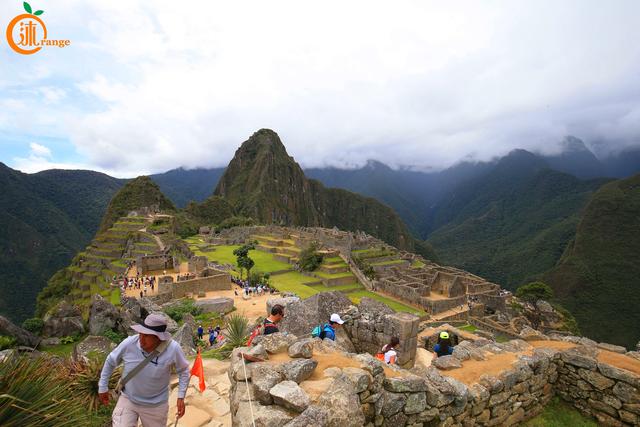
{"points": [[244, 368]]}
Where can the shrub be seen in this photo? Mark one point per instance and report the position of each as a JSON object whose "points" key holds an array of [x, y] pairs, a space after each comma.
{"points": [[310, 259], [67, 340], [177, 311], [237, 330], [534, 291], [116, 337], [83, 379], [33, 325], [35, 392], [6, 342]]}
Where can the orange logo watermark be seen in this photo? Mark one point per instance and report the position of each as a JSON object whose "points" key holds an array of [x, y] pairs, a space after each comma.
{"points": [[27, 34]]}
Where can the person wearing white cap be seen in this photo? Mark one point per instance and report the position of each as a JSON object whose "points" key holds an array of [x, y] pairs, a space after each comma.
{"points": [[148, 358], [328, 330]]}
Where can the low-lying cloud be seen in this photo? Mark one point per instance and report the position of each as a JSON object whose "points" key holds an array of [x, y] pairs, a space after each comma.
{"points": [[423, 84]]}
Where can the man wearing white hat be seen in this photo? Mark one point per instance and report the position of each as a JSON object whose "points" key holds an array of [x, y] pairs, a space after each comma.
{"points": [[148, 358], [328, 330]]}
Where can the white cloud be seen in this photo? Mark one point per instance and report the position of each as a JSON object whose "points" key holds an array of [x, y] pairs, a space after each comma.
{"points": [[148, 87], [38, 150]]}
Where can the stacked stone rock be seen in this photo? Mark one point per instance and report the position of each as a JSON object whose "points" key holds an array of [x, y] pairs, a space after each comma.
{"points": [[368, 396], [608, 393], [372, 325]]}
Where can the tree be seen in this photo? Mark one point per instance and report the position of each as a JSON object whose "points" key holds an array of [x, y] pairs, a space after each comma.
{"points": [[310, 259], [534, 291], [243, 260]]}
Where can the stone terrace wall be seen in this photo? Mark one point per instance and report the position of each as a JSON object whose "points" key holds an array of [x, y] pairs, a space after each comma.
{"points": [[610, 394], [220, 282]]}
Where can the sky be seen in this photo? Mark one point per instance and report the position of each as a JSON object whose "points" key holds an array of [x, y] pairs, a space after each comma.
{"points": [[145, 87]]}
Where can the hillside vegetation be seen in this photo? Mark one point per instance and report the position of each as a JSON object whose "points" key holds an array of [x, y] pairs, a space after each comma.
{"points": [[598, 277], [45, 219]]}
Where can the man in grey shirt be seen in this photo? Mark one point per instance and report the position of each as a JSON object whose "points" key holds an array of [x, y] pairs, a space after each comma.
{"points": [[146, 395]]}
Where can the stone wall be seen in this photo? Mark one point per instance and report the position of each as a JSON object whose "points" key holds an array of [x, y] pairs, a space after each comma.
{"points": [[371, 330], [154, 263], [374, 394], [494, 302], [219, 282], [489, 327], [609, 394]]}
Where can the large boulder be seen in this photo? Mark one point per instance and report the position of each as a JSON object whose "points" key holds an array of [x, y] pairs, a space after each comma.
{"points": [[93, 346], [290, 395], [260, 416], [342, 403], [283, 301], [22, 336], [221, 305], [446, 362], [103, 316], [312, 416], [275, 343], [302, 316], [63, 320], [299, 370], [184, 337]]}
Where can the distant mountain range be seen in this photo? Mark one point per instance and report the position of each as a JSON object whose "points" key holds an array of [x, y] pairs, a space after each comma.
{"points": [[509, 220]]}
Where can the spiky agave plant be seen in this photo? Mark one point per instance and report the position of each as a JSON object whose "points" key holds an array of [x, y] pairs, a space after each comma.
{"points": [[237, 330], [34, 392], [83, 378]]}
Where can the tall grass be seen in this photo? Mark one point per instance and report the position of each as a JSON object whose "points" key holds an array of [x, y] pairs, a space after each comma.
{"points": [[34, 392]]}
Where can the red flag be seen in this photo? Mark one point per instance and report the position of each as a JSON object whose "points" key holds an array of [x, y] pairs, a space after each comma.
{"points": [[198, 371]]}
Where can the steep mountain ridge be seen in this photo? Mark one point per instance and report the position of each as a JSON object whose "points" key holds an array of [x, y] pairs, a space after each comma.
{"points": [[597, 276], [262, 181], [45, 219]]}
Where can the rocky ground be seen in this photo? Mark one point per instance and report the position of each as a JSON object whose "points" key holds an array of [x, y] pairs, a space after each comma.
{"points": [[207, 409]]}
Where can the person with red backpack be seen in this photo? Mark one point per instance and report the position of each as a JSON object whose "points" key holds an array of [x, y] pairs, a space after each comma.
{"points": [[268, 325]]}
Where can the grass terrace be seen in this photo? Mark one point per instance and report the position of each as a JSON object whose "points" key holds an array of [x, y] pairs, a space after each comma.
{"points": [[390, 262], [356, 296], [296, 282]]}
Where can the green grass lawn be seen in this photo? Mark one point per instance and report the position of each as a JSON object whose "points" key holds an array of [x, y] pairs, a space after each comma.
{"points": [[468, 328], [264, 261], [333, 275], [62, 350], [417, 264], [115, 297], [559, 414], [295, 282], [352, 287], [395, 305]]}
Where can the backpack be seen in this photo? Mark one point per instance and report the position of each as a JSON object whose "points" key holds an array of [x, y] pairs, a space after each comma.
{"points": [[258, 330], [319, 332]]}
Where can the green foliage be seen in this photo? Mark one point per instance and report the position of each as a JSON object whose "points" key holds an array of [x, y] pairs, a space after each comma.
{"points": [[258, 278], [235, 221], [512, 225], [33, 325], [559, 414], [310, 259], [137, 193], [6, 342], [243, 261], [597, 276], [366, 268], [534, 291], [67, 340], [116, 337], [570, 322], [184, 306], [237, 330], [84, 377], [214, 210], [57, 288], [35, 392]]}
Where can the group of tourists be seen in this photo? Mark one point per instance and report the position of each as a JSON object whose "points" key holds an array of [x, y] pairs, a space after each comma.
{"points": [[186, 276], [214, 334], [249, 290], [142, 283]]}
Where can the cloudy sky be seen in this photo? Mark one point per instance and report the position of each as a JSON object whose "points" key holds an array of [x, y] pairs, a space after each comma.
{"points": [[149, 86]]}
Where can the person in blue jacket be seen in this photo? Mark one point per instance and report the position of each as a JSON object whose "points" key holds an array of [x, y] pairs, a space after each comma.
{"points": [[443, 347], [328, 330]]}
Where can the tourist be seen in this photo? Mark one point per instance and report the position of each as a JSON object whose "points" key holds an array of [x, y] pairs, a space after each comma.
{"points": [[389, 351], [145, 396], [212, 336], [328, 330], [141, 294], [443, 347], [200, 332], [270, 324]]}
